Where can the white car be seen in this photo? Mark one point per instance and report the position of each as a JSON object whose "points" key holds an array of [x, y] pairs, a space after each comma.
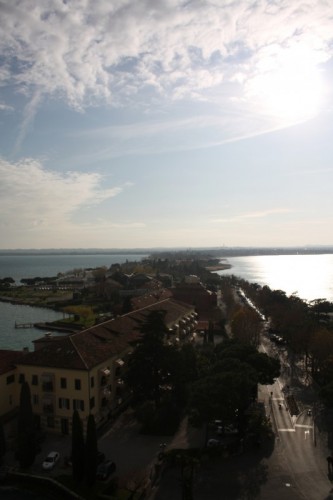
{"points": [[50, 461]]}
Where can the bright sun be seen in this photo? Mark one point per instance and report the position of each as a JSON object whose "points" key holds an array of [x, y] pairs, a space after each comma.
{"points": [[289, 90]]}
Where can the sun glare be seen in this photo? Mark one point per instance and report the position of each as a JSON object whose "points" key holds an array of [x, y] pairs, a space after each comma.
{"points": [[289, 91]]}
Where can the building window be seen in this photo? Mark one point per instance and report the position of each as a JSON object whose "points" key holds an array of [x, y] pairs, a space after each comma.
{"points": [[78, 404], [77, 384], [35, 399], [92, 382], [64, 403], [92, 403], [34, 380], [63, 383], [50, 422], [21, 378], [10, 379]]}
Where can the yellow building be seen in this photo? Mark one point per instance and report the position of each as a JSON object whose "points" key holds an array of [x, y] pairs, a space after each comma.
{"points": [[84, 370]]}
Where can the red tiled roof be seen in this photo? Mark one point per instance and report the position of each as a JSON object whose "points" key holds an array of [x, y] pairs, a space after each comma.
{"points": [[86, 349], [8, 359], [149, 299]]}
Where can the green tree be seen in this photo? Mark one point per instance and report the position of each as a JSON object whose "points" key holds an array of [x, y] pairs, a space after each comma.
{"points": [[27, 446], [222, 396], [227, 390], [91, 452], [150, 370], [3, 448], [326, 395], [246, 326], [78, 448]]}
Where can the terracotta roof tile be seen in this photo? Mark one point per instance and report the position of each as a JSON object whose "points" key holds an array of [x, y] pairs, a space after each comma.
{"points": [[8, 359], [86, 349]]}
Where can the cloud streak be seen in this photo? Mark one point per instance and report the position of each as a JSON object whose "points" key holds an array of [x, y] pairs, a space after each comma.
{"points": [[254, 215]]}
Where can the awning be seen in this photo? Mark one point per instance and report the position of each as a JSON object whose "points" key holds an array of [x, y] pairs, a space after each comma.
{"points": [[105, 371], [120, 362]]}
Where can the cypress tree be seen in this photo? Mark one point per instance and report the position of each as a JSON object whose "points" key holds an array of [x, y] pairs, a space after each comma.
{"points": [[27, 445], [3, 448], [77, 447], [91, 452]]}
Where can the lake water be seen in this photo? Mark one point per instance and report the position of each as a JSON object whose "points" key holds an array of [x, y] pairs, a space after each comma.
{"points": [[18, 266], [309, 276], [31, 266]]}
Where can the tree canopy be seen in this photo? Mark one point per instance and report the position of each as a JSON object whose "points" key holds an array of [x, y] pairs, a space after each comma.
{"points": [[231, 385], [27, 445], [154, 363]]}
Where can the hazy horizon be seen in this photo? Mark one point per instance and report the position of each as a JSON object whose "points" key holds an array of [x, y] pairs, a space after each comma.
{"points": [[306, 248]]}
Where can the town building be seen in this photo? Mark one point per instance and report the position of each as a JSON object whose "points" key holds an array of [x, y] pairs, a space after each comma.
{"points": [[84, 370]]}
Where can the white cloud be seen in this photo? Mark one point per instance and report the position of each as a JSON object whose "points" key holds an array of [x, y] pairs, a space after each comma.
{"points": [[88, 50], [5, 107], [43, 203]]}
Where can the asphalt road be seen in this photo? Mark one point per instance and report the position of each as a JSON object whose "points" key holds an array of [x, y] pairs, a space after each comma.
{"points": [[292, 467]]}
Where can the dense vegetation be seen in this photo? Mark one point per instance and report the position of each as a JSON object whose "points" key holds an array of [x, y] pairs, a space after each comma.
{"points": [[306, 329], [208, 382], [27, 446]]}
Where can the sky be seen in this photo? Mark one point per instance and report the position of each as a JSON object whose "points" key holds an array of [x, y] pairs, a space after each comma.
{"points": [[166, 123]]}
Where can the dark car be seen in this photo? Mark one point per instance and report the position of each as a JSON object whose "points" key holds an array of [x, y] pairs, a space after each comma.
{"points": [[105, 470]]}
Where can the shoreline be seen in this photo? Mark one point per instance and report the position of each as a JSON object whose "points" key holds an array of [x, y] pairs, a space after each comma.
{"points": [[218, 267], [24, 302]]}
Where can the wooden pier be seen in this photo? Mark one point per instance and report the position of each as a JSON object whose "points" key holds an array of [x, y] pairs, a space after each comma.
{"points": [[23, 325]]}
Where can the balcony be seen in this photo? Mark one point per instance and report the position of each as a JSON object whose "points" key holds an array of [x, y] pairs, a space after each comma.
{"points": [[104, 376], [106, 392], [47, 386], [48, 405], [47, 382]]}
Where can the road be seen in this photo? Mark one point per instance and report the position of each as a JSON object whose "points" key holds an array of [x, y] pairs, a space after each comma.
{"points": [[294, 468], [296, 452]]}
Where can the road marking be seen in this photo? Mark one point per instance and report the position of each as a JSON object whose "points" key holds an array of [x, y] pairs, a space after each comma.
{"points": [[286, 430], [305, 426], [306, 434]]}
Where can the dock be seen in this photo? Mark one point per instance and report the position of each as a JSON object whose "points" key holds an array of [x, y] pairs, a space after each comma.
{"points": [[24, 325]]}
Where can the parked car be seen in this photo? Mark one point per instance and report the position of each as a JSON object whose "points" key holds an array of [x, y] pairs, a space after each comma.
{"points": [[105, 470], [50, 461]]}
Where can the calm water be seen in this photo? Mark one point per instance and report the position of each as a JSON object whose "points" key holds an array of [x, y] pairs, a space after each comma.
{"points": [[309, 276], [31, 266]]}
